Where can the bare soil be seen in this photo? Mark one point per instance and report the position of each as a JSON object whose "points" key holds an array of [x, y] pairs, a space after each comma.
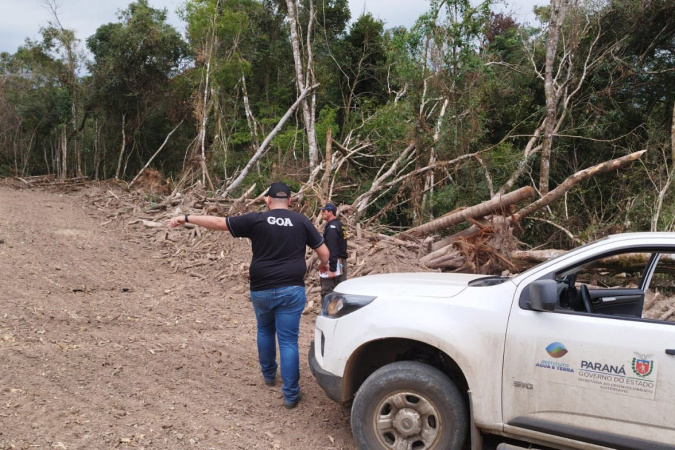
{"points": [[119, 333]]}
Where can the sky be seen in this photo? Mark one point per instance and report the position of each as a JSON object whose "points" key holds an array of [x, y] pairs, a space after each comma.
{"points": [[20, 19]]}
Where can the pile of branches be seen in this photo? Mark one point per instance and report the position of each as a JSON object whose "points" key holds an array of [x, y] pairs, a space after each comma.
{"points": [[63, 185], [486, 245]]}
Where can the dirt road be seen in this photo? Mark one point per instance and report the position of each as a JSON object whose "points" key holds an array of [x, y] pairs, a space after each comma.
{"points": [[104, 346]]}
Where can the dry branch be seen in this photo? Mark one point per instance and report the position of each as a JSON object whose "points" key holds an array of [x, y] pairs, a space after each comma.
{"points": [[345, 151], [245, 196], [363, 201], [156, 153], [575, 179]]}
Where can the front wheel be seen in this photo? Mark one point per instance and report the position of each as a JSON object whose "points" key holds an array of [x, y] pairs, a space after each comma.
{"points": [[409, 405]]}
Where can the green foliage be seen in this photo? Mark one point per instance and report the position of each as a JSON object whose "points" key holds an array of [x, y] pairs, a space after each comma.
{"points": [[327, 119], [63, 105], [228, 73], [208, 18], [353, 68], [332, 18], [447, 198], [134, 61], [391, 125], [39, 82], [134, 58]]}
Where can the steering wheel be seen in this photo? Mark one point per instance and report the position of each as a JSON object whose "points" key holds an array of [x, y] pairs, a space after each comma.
{"points": [[585, 298]]}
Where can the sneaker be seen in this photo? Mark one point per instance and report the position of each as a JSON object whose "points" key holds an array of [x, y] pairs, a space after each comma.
{"points": [[272, 382], [291, 405]]}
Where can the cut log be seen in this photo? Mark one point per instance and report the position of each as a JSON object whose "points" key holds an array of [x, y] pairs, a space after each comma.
{"points": [[383, 238], [453, 261], [667, 314], [650, 301], [498, 203], [532, 257], [451, 264], [472, 230], [264, 146], [437, 254]]}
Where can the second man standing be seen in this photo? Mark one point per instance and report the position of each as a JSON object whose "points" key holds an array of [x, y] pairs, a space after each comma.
{"points": [[335, 238]]}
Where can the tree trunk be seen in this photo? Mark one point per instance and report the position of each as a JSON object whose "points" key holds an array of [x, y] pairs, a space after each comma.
{"points": [[558, 10], [304, 76], [97, 150], [64, 152], [501, 202], [555, 194], [124, 143], [429, 179], [250, 118], [327, 163]]}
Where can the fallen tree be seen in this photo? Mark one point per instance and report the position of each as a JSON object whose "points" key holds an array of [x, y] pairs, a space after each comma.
{"points": [[456, 251], [495, 204]]}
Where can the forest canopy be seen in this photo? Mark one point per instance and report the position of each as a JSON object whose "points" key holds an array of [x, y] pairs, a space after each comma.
{"points": [[403, 125]]}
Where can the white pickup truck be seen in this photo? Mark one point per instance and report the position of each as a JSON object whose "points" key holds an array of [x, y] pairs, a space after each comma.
{"points": [[560, 356]]}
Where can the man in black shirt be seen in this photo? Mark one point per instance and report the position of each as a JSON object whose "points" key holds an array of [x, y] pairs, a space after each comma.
{"points": [[278, 240], [336, 241]]}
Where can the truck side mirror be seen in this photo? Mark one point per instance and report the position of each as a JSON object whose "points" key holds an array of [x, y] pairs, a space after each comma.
{"points": [[543, 295]]}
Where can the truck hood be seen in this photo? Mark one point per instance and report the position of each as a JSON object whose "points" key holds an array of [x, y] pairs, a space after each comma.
{"points": [[419, 284]]}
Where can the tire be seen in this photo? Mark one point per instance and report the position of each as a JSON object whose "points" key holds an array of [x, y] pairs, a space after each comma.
{"points": [[409, 405]]}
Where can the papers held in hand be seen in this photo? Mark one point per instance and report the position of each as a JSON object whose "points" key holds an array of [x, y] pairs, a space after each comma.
{"points": [[338, 271]]}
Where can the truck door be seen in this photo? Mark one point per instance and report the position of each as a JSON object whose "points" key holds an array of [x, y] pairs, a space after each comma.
{"points": [[605, 376]]}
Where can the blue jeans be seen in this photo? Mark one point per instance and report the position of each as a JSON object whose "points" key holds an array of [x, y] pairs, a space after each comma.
{"points": [[278, 312]]}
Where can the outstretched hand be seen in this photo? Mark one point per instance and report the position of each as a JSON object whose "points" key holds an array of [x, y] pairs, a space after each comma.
{"points": [[176, 221]]}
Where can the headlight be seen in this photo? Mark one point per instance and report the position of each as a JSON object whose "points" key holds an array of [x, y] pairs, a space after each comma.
{"points": [[336, 305]]}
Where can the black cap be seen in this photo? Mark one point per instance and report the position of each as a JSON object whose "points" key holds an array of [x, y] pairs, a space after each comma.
{"points": [[329, 207], [279, 190]]}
